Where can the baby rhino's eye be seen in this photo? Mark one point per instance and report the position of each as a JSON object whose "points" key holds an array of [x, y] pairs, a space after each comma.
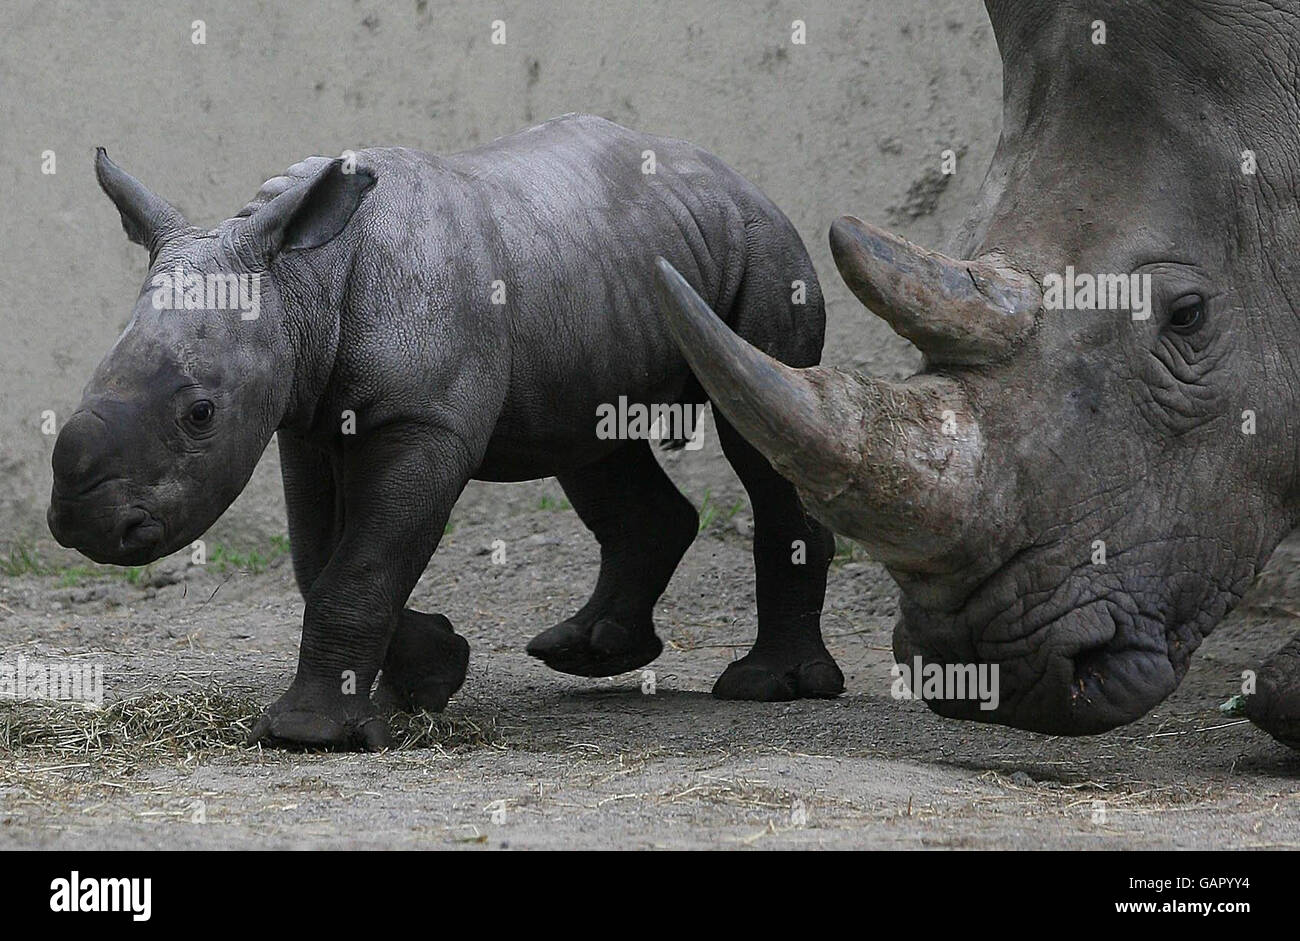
{"points": [[1187, 314], [201, 412]]}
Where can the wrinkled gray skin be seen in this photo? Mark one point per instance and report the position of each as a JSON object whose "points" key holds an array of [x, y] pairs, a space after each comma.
{"points": [[1071, 428], [377, 300]]}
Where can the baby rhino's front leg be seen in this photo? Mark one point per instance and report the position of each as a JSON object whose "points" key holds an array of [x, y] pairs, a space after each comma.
{"points": [[400, 485]]}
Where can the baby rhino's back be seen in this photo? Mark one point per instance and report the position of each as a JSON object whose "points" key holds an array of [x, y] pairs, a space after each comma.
{"points": [[579, 207], [554, 231]]}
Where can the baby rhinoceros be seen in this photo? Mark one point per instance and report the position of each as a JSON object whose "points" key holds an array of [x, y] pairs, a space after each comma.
{"points": [[407, 322]]}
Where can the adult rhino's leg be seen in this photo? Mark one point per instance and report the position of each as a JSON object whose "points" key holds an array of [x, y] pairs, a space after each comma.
{"points": [[792, 552], [401, 482], [426, 660], [644, 526], [1275, 704]]}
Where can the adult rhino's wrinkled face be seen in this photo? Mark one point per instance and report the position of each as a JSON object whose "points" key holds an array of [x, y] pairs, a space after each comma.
{"points": [[175, 417], [1074, 495]]}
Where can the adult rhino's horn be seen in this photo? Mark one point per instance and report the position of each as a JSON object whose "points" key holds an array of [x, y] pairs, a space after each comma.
{"points": [[147, 218], [957, 312], [890, 464]]}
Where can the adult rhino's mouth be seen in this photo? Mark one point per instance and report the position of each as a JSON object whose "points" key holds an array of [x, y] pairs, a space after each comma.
{"points": [[1075, 660]]}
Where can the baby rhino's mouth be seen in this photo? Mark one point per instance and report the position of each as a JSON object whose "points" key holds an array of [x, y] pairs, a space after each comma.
{"points": [[112, 535], [1087, 670], [140, 530]]}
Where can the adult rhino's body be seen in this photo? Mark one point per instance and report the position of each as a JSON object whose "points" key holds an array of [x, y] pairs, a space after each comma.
{"points": [[1075, 496], [426, 320]]}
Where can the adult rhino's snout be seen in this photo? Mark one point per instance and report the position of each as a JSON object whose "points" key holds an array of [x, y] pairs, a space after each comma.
{"points": [[91, 508]]}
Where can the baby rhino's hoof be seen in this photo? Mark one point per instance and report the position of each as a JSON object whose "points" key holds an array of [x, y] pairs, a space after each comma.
{"points": [[318, 717], [605, 648], [773, 678], [426, 664], [1275, 704]]}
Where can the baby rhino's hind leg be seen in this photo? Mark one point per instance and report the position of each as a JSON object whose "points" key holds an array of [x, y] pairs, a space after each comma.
{"points": [[644, 526], [425, 664], [791, 555]]}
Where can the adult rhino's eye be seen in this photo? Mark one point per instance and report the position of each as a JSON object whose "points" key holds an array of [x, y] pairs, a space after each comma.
{"points": [[201, 412], [1187, 314]]}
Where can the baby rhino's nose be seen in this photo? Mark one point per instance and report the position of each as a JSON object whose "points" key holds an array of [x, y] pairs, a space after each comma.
{"points": [[81, 453]]}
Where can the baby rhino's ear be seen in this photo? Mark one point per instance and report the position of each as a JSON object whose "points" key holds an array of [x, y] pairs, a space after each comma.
{"points": [[309, 214], [147, 218]]}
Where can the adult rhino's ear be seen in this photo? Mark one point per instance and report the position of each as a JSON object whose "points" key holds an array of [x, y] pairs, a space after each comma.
{"points": [[310, 214], [147, 218]]}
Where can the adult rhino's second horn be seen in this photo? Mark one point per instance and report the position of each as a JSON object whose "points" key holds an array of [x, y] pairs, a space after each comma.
{"points": [[891, 465], [957, 312]]}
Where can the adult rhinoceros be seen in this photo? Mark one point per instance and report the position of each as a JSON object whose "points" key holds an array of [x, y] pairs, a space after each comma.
{"points": [[1077, 496]]}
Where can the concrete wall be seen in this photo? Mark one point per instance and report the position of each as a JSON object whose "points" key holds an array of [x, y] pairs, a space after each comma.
{"points": [[853, 121]]}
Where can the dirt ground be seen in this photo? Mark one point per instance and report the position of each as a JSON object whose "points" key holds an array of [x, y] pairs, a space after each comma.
{"points": [[530, 758]]}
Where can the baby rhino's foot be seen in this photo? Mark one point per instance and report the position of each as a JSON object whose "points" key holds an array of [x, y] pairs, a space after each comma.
{"points": [[605, 647], [1275, 704], [780, 676], [318, 716], [426, 664]]}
